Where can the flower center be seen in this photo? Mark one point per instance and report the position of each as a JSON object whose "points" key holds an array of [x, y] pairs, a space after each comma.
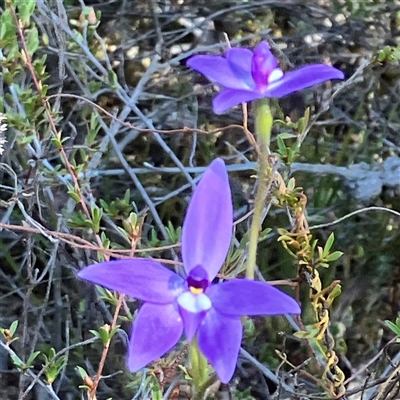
{"points": [[197, 280], [196, 290]]}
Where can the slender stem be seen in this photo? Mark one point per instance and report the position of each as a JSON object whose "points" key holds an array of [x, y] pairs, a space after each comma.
{"points": [[263, 125], [198, 364], [199, 394], [106, 347]]}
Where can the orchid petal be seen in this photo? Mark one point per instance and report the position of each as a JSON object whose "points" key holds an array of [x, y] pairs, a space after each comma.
{"points": [[239, 60], [245, 297], [230, 97], [302, 78], [219, 339], [263, 63], [207, 229], [140, 278], [157, 328], [218, 70], [191, 321]]}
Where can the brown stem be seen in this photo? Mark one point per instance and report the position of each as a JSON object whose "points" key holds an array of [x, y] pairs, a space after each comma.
{"points": [[104, 354]]}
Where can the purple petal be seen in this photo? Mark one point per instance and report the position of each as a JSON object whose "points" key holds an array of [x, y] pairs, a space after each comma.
{"points": [[191, 321], [219, 339], [230, 97], [239, 60], [218, 70], [245, 297], [263, 63], [157, 328], [207, 229], [302, 78], [140, 278]]}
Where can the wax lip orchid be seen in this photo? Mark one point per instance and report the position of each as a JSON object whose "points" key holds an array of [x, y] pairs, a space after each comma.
{"points": [[247, 75], [173, 304]]}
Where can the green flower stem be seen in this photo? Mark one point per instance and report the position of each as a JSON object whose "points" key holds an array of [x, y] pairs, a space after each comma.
{"points": [[263, 126], [199, 366], [200, 394]]}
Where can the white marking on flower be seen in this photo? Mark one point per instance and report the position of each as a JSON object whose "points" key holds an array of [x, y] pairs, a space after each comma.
{"points": [[275, 75], [194, 303]]}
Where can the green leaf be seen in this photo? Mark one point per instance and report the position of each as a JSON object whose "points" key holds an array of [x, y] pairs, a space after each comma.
{"points": [[336, 292], [156, 392], [74, 196], [287, 135], [107, 295], [281, 145], [97, 215], [334, 256], [17, 362], [54, 366], [94, 128], [25, 10], [32, 42], [105, 240], [393, 327], [31, 359], [7, 29], [80, 221], [303, 122], [173, 234], [328, 245], [113, 79], [104, 332], [304, 335], [82, 372], [13, 328]]}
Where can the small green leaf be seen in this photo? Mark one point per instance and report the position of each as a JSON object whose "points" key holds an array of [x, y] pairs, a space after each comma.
{"points": [[97, 215], [82, 372], [336, 292], [74, 196], [32, 42], [303, 122], [17, 362], [53, 366], [287, 135], [281, 145], [31, 359], [104, 332], [334, 256], [328, 245], [304, 335], [13, 328], [105, 240], [25, 10], [45, 39], [113, 79], [95, 333], [80, 221], [393, 327], [156, 392]]}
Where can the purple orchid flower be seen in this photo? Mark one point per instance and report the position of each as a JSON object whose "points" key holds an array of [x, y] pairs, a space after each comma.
{"points": [[246, 75], [174, 304]]}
